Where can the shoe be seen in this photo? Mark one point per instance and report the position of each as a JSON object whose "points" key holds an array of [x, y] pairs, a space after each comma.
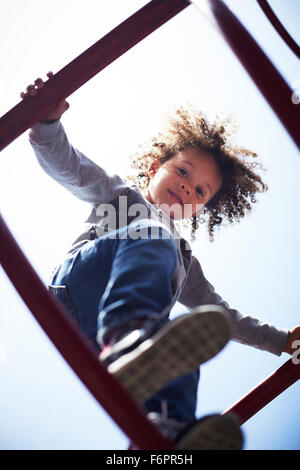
{"points": [[146, 359], [214, 432]]}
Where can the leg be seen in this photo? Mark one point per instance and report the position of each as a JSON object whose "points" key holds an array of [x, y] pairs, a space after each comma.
{"points": [[139, 290], [172, 411], [116, 282], [120, 282], [179, 397]]}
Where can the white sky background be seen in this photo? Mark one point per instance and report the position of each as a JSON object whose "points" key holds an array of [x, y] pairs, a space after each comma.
{"points": [[254, 265]]}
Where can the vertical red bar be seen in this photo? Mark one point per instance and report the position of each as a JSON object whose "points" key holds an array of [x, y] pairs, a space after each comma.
{"points": [[264, 74], [68, 340], [74, 347], [279, 27]]}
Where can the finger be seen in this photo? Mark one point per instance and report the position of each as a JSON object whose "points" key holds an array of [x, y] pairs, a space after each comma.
{"points": [[39, 83], [30, 88], [63, 105]]}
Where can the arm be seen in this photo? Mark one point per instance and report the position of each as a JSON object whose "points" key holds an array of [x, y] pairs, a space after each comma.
{"points": [[69, 167], [246, 329]]}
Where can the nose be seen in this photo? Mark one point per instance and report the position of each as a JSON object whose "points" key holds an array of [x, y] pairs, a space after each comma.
{"points": [[185, 188]]}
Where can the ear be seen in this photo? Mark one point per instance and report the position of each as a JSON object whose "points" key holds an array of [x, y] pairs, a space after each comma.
{"points": [[153, 168]]}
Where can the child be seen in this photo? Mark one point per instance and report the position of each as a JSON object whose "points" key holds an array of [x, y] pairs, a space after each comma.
{"points": [[127, 269]]}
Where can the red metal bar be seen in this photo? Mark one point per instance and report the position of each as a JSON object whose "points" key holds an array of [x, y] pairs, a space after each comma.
{"points": [[279, 27], [68, 340], [264, 74], [87, 65], [75, 348], [266, 391]]}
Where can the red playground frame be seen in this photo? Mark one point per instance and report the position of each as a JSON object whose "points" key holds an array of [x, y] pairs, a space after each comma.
{"points": [[68, 340]]}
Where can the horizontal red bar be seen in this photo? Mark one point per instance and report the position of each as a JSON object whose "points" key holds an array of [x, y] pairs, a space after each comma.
{"points": [[87, 65]]}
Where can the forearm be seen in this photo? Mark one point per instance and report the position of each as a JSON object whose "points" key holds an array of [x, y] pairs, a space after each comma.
{"points": [[69, 167], [246, 329], [54, 152]]}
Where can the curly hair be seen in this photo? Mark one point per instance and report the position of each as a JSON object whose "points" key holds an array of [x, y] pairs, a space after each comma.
{"points": [[187, 127]]}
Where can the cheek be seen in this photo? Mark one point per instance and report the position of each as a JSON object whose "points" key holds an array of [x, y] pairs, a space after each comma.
{"points": [[158, 183], [155, 191]]}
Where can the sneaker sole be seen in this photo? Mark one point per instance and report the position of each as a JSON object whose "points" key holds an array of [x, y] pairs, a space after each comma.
{"points": [[178, 348], [219, 432]]}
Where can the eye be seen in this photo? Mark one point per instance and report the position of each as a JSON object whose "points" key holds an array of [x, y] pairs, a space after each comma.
{"points": [[199, 191], [182, 171]]}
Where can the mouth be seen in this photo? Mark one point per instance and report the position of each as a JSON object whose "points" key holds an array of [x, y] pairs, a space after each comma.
{"points": [[175, 197]]}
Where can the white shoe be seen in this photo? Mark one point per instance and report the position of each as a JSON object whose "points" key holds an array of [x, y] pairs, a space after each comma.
{"points": [[179, 347]]}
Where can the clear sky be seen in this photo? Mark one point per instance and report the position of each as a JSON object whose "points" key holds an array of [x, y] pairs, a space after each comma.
{"points": [[253, 265]]}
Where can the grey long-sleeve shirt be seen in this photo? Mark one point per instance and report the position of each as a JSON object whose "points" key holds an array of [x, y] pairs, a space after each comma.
{"points": [[111, 196]]}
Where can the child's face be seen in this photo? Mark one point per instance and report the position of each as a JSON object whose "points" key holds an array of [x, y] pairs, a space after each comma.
{"points": [[185, 183]]}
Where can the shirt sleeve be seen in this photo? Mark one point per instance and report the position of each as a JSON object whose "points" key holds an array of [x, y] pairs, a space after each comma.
{"points": [[246, 329], [70, 168]]}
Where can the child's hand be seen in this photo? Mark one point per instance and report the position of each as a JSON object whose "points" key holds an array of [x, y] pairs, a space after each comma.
{"points": [[55, 113], [294, 335]]}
